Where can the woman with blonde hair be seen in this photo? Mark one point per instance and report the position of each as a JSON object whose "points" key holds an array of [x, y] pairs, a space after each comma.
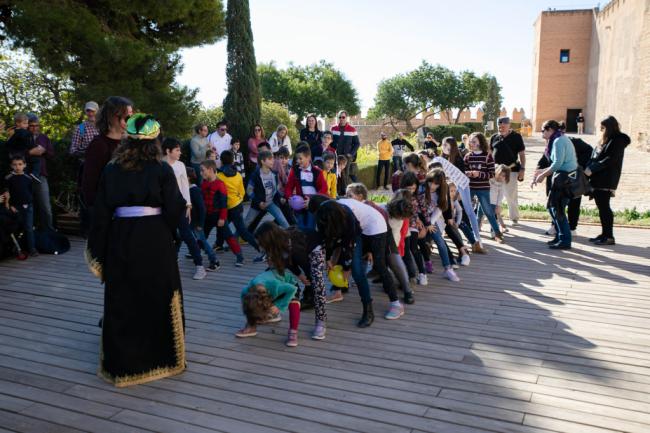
{"points": [[280, 138]]}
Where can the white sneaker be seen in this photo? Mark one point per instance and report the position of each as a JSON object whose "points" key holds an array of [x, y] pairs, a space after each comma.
{"points": [[550, 231], [465, 260], [422, 279], [200, 273], [451, 275]]}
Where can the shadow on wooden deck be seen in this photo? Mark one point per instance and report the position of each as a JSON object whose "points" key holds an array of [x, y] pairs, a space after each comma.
{"points": [[530, 340]]}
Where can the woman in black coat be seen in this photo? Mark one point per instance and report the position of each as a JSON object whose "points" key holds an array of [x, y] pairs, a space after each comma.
{"points": [[604, 171]]}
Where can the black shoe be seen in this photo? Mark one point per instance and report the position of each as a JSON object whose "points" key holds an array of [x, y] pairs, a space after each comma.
{"points": [[408, 298], [345, 289], [560, 246], [596, 239], [368, 316], [553, 242], [376, 280], [213, 267], [605, 241]]}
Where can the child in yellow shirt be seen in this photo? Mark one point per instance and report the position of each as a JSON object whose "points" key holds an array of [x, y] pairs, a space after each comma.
{"points": [[329, 160]]}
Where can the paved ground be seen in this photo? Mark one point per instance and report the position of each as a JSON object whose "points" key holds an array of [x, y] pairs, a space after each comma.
{"points": [[633, 189], [530, 341]]}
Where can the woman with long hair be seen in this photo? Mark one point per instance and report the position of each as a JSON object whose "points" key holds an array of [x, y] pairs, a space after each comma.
{"points": [[312, 135], [256, 137], [564, 163], [280, 138], [131, 249], [604, 171]]}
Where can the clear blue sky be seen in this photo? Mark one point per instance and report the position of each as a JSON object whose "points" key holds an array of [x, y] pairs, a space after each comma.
{"points": [[372, 40]]}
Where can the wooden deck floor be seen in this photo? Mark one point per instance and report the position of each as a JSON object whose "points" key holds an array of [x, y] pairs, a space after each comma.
{"points": [[530, 341]]}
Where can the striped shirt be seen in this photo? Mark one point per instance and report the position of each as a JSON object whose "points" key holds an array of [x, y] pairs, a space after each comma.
{"points": [[484, 164]]}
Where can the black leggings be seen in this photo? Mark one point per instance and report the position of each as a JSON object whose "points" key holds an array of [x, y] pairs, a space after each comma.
{"points": [[377, 245], [382, 165], [573, 212], [414, 252], [602, 198]]}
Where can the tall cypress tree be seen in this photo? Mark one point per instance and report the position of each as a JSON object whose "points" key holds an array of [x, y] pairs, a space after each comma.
{"points": [[492, 105], [242, 104]]}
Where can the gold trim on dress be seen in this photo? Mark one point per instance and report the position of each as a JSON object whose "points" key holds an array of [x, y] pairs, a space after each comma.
{"points": [[160, 372], [93, 264]]}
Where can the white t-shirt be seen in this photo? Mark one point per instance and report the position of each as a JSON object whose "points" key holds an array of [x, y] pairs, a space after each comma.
{"points": [[219, 143], [182, 180], [372, 222]]}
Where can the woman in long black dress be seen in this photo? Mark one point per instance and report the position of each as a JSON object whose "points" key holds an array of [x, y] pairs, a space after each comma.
{"points": [[131, 248]]}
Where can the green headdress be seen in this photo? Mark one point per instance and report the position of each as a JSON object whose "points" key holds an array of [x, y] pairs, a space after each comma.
{"points": [[142, 126]]}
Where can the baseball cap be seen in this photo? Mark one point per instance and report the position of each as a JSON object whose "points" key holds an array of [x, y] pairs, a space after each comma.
{"points": [[91, 105]]}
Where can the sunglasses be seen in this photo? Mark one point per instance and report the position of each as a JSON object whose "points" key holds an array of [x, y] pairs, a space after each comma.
{"points": [[341, 117], [258, 129], [34, 125], [223, 129]]}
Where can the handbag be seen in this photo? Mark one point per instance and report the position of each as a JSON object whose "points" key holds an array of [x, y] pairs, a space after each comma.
{"points": [[578, 183]]}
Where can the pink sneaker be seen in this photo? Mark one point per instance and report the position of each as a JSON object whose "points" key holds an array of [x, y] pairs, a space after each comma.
{"points": [[451, 275], [292, 338]]}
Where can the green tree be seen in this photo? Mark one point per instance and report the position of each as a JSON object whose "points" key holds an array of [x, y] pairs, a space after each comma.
{"points": [[493, 101], [274, 114], [429, 88], [210, 116], [121, 47], [319, 88], [28, 89], [242, 104], [402, 97]]}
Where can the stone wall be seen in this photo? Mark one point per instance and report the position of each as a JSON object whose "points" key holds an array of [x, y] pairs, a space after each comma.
{"points": [[622, 81]]}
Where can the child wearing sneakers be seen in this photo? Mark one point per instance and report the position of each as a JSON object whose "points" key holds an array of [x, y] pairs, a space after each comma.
{"points": [[215, 197], [498, 191], [435, 201], [234, 182], [455, 222], [301, 252], [263, 300], [198, 220], [171, 149]]}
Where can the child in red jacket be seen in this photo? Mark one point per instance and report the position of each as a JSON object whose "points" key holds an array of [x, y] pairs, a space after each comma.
{"points": [[305, 180], [215, 197]]}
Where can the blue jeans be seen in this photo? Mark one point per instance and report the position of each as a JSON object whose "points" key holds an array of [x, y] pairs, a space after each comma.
{"points": [[200, 237], [42, 204], [26, 215], [236, 216], [187, 235], [484, 207], [443, 251], [359, 272], [398, 164], [273, 209], [560, 221], [466, 200]]}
